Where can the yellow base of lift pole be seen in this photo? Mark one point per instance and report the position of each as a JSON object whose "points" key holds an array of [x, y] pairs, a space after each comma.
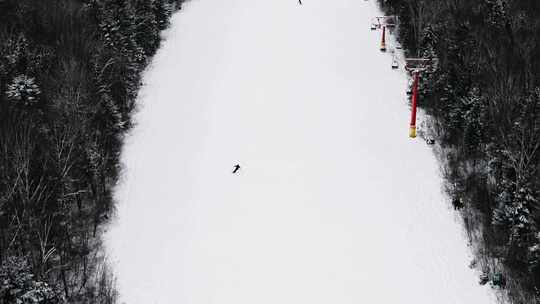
{"points": [[412, 132]]}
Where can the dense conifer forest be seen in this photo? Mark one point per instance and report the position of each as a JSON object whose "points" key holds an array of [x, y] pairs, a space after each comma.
{"points": [[483, 97], [69, 75]]}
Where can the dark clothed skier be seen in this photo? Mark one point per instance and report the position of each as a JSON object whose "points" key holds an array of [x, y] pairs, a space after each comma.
{"points": [[236, 168]]}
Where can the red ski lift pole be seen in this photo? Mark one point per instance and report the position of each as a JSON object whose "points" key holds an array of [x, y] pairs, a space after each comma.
{"points": [[412, 131], [383, 41]]}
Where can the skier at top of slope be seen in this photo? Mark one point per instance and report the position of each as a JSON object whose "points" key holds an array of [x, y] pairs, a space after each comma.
{"points": [[236, 168], [300, 1]]}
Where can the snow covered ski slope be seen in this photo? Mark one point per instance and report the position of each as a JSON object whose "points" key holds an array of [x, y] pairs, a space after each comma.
{"points": [[333, 202]]}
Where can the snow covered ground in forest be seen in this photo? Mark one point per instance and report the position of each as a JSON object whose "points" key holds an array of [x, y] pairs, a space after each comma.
{"points": [[333, 204]]}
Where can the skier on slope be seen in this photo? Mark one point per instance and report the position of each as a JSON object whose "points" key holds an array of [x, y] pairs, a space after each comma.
{"points": [[236, 168], [300, 1]]}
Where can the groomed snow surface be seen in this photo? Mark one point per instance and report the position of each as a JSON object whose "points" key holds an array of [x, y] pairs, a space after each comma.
{"points": [[333, 204]]}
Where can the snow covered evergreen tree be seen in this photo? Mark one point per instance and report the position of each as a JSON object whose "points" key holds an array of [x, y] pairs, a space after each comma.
{"points": [[162, 11], [19, 286], [23, 90], [514, 211], [496, 13], [474, 107], [147, 25]]}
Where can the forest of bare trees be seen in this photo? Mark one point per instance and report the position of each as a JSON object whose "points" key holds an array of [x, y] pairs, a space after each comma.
{"points": [[69, 76], [483, 98]]}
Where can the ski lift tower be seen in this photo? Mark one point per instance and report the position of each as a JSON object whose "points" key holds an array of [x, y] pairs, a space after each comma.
{"points": [[384, 22], [415, 66]]}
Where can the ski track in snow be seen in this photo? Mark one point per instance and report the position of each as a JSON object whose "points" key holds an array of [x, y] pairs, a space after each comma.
{"points": [[333, 204]]}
